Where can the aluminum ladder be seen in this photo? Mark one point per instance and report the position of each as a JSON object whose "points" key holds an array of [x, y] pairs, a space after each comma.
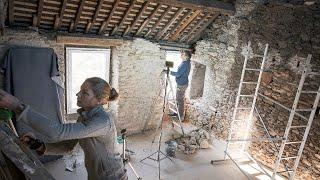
{"points": [[306, 72], [173, 106], [235, 119]]}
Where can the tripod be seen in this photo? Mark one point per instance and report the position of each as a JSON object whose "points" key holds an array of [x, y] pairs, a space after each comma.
{"points": [[159, 152], [125, 159]]}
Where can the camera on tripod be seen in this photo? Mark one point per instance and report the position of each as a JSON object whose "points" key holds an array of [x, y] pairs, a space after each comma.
{"points": [[169, 64]]}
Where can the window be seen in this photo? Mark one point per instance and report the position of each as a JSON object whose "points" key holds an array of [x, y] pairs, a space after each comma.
{"points": [[175, 57], [82, 63]]}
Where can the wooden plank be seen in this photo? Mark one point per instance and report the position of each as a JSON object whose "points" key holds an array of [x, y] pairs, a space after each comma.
{"points": [[4, 168], [71, 26], [56, 23], [88, 27], [203, 19], [173, 19], [40, 8], [198, 33], [188, 21], [124, 18], [173, 29], [34, 20], [204, 5], [26, 162], [61, 14], [142, 10], [96, 13], [86, 41], [3, 12], [158, 22], [143, 25], [11, 12], [78, 15], [105, 23]]}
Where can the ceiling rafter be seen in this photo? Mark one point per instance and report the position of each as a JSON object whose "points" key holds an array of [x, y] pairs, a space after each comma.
{"points": [[142, 10], [185, 25], [11, 12], [198, 24], [40, 8], [62, 10], [124, 18], [204, 5], [173, 29], [96, 13], [159, 21], [173, 19], [106, 23], [80, 9], [146, 21], [197, 34]]}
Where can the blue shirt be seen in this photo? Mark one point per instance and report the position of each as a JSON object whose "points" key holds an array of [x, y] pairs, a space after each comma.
{"points": [[182, 73]]}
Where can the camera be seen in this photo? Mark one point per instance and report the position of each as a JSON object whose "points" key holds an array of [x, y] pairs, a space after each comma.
{"points": [[169, 64]]}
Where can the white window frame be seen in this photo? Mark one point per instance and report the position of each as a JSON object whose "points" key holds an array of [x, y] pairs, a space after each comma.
{"points": [[69, 51]]}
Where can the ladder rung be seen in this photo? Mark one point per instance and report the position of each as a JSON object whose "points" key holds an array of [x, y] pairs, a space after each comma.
{"points": [[314, 73], [171, 103], [173, 110], [289, 170], [250, 82], [237, 120], [304, 109], [286, 158], [246, 95], [294, 142], [298, 126], [258, 55], [250, 69], [309, 92], [242, 108]]}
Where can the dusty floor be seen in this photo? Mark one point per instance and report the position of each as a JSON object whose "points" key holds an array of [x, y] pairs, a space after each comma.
{"points": [[186, 167]]}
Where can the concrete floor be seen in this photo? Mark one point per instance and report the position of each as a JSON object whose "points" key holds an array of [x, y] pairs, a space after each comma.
{"points": [[184, 167]]}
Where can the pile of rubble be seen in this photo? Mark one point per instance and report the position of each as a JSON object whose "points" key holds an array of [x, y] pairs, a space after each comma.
{"points": [[193, 141]]}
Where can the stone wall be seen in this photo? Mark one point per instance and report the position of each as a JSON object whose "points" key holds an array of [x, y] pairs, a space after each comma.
{"points": [[136, 67], [292, 32], [139, 64]]}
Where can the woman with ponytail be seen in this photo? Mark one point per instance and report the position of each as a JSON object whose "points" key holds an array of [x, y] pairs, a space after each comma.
{"points": [[94, 131]]}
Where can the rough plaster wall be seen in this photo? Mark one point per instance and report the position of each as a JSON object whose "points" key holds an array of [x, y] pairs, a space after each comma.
{"points": [[217, 53], [140, 64], [292, 31]]}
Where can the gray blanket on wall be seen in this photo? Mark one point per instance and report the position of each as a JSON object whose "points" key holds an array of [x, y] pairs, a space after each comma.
{"points": [[32, 75]]}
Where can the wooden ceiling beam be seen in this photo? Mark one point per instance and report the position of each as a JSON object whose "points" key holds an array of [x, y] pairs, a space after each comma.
{"points": [[159, 20], [173, 19], [124, 18], [80, 9], [144, 24], [142, 10], [185, 25], [204, 5], [40, 8], [196, 27], [56, 23], [105, 23], [11, 12], [89, 41], [89, 25], [173, 29], [198, 33], [96, 13], [62, 10]]}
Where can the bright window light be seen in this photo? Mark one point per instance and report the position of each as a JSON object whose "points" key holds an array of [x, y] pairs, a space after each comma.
{"points": [[81, 64]]}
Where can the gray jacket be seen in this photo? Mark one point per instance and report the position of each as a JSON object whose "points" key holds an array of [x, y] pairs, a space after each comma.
{"points": [[96, 133]]}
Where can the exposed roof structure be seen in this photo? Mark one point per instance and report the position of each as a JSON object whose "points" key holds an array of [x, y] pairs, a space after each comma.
{"points": [[179, 21]]}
